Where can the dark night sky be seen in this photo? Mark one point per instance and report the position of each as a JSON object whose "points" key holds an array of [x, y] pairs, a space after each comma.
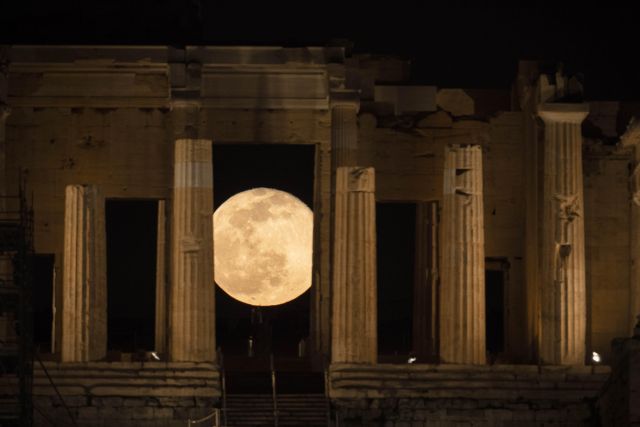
{"points": [[465, 47]]}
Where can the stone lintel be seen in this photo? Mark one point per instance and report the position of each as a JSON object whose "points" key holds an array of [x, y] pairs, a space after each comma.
{"points": [[563, 113]]}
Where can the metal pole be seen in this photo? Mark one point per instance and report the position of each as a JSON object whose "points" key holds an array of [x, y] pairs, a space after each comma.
{"points": [[273, 393], [53, 311], [326, 395], [224, 388]]}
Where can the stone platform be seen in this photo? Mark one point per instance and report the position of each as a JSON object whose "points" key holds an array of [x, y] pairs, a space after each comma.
{"points": [[125, 393], [443, 395]]}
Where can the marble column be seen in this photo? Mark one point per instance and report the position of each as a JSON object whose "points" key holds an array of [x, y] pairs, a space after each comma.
{"points": [[84, 281], [425, 287], [563, 297], [462, 291], [354, 326], [192, 304], [344, 128]]}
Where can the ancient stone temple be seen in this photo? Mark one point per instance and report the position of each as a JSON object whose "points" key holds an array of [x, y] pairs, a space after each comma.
{"points": [[474, 251]]}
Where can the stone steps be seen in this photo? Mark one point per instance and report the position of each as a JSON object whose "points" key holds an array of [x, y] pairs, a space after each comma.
{"points": [[293, 410], [9, 401], [9, 409]]}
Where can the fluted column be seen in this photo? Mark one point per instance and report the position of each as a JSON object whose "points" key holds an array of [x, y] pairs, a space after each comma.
{"points": [[192, 305], [84, 281], [354, 326], [344, 128], [563, 302], [462, 291]]}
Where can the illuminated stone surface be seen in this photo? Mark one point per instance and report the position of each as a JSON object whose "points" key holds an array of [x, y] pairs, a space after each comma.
{"points": [[110, 115], [344, 129], [462, 292], [192, 304], [354, 333], [563, 303], [84, 299]]}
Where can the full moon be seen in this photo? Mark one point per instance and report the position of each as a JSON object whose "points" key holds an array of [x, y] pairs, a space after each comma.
{"points": [[263, 243]]}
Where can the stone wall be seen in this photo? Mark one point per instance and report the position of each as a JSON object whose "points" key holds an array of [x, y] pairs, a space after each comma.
{"points": [[125, 394], [443, 395], [607, 252], [409, 167]]}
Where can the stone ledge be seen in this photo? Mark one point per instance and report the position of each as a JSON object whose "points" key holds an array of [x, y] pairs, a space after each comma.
{"points": [[510, 382], [144, 379]]}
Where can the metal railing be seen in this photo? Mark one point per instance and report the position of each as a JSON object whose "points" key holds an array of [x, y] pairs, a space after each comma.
{"points": [[215, 416]]}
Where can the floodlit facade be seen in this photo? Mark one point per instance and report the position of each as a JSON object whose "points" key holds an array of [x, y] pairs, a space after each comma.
{"points": [[472, 248]]}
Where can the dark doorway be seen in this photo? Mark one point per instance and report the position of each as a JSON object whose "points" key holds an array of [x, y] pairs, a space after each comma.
{"points": [[494, 294], [276, 329], [43, 275], [131, 273], [396, 227]]}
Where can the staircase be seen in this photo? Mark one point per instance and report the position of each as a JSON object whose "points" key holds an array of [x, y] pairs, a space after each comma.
{"points": [[309, 410]]}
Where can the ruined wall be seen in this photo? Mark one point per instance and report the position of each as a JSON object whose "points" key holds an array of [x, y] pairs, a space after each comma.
{"points": [[409, 167], [124, 151], [607, 234]]}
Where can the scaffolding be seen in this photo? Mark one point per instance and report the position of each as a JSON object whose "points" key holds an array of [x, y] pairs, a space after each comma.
{"points": [[16, 309]]}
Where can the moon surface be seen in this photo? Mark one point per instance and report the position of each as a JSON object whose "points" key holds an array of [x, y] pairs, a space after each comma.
{"points": [[263, 243]]}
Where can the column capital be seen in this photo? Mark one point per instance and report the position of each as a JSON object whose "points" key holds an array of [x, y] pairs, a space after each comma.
{"points": [[345, 98], [563, 113]]}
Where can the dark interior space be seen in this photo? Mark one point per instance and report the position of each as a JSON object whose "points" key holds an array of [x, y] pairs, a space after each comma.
{"points": [[396, 227], [42, 301], [494, 294], [131, 274], [275, 329]]}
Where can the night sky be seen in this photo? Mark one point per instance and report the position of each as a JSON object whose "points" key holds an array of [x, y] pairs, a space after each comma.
{"points": [[464, 47]]}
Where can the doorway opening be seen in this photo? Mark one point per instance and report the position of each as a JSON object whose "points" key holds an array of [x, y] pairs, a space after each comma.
{"points": [[243, 331], [496, 274], [131, 274], [396, 229], [43, 278]]}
